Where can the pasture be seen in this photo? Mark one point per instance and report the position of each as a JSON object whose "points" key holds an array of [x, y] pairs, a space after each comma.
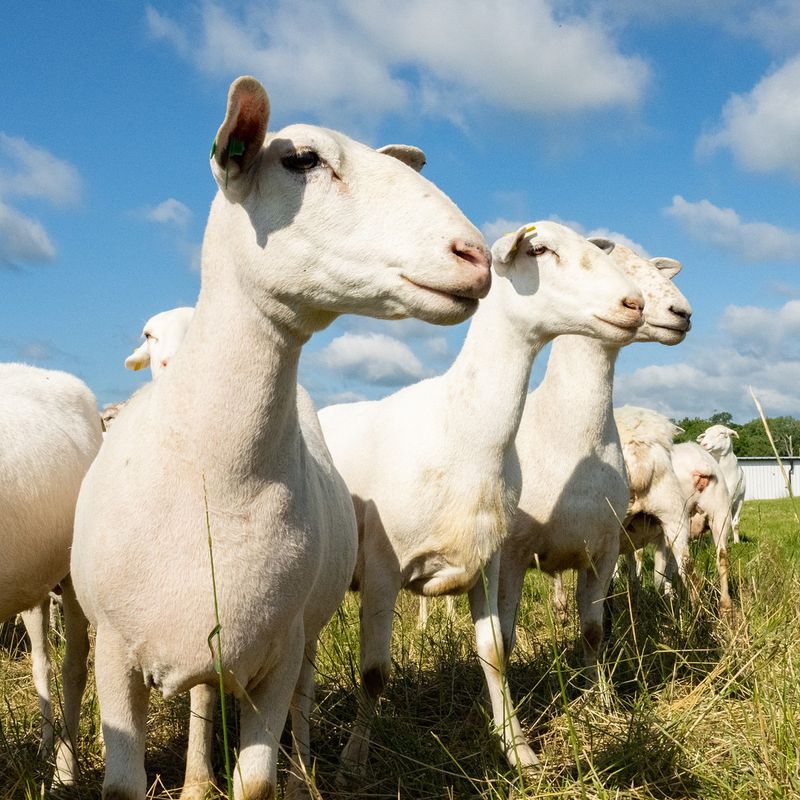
{"points": [[700, 707]]}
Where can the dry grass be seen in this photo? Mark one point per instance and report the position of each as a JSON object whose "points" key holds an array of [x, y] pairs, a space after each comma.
{"points": [[701, 707]]}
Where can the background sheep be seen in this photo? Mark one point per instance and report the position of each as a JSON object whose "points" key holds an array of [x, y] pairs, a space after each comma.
{"points": [[432, 468], [50, 432], [718, 440]]}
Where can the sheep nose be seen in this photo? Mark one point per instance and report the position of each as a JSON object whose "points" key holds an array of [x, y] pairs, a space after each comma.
{"points": [[681, 312], [481, 260], [475, 254], [635, 302]]}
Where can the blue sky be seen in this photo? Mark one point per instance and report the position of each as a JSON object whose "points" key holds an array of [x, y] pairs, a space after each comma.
{"points": [[674, 126]]}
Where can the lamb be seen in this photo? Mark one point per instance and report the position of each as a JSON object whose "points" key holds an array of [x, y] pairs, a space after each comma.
{"points": [[162, 334], [50, 432], [574, 487], [432, 468], [307, 224], [719, 442]]}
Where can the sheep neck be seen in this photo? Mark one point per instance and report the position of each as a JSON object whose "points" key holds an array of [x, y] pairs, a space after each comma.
{"points": [[240, 375], [576, 392], [487, 383]]}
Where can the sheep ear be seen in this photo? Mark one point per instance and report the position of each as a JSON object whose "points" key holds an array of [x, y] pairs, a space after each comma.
{"points": [[241, 135], [733, 432], [412, 156], [138, 359], [606, 245], [669, 266], [505, 248]]}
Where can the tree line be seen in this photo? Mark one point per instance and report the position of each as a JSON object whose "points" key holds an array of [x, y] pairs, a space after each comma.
{"points": [[752, 439]]}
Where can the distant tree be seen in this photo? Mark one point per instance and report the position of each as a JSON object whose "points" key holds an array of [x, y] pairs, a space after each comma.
{"points": [[752, 439]]}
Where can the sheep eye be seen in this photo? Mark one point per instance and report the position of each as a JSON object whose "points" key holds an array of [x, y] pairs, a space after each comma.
{"points": [[537, 250], [148, 336], [301, 162]]}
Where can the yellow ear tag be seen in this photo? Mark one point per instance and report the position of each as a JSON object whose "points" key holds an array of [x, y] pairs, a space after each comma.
{"points": [[528, 229]]}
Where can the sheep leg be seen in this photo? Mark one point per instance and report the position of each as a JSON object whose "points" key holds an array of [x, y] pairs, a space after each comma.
{"points": [[37, 624], [424, 612], [591, 592], [720, 535], [74, 673], [123, 696], [379, 591], [736, 512], [199, 775], [489, 641], [509, 592], [263, 715], [560, 602], [302, 701]]}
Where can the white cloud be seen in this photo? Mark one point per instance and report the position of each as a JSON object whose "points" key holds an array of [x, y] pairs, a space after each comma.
{"points": [[754, 346], [372, 358], [30, 171], [22, 239], [170, 211], [353, 60], [724, 228], [762, 128]]}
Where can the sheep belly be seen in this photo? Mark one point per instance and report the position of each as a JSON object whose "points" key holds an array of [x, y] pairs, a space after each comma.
{"points": [[463, 544]]}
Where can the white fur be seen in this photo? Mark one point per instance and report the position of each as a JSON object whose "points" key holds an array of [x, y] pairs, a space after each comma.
{"points": [[50, 432], [655, 492], [718, 440], [162, 334], [574, 489], [432, 468], [286, 250]]}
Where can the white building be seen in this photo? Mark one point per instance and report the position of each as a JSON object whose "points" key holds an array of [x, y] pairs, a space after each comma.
{"points": [[764, 480]]}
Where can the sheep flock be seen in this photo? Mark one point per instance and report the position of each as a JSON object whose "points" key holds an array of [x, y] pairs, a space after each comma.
{"points": [[458, 484]]}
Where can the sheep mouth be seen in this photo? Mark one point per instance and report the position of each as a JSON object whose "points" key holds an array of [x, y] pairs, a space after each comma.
{"points": [[684, 327], [466, 300], [630, 326]]}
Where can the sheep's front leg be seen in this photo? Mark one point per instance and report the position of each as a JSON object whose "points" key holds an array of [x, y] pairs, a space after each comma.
{"points": [[379, 591], [123, 697], [37, 624], [302, 701], [262, 717], [199, 775], [489, 641], [511, 578], [74, 672], [592, 589]]}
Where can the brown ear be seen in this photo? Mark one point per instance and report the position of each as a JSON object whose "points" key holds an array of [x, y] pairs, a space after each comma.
{"points": [[241, 134], [412, 156]]}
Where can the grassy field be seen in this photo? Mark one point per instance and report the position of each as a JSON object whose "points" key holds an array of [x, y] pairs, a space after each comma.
{"points": [[701, 707]]}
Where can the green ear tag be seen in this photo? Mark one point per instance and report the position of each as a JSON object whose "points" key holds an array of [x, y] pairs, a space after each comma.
{"points": [[213, 149], [235, 148]]}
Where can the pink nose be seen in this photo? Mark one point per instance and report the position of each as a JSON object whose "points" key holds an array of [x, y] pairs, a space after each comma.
{"points": [[480, 277]]}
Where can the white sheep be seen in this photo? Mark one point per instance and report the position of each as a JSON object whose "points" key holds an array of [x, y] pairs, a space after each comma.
{"points": [[50, 432], [718, 440], [307, 224], [162, 334], [432, 468], [655, 492], [574, 486]]}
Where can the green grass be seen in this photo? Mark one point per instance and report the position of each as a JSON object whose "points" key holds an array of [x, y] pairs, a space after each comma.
{"points": [[702, 707]]}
